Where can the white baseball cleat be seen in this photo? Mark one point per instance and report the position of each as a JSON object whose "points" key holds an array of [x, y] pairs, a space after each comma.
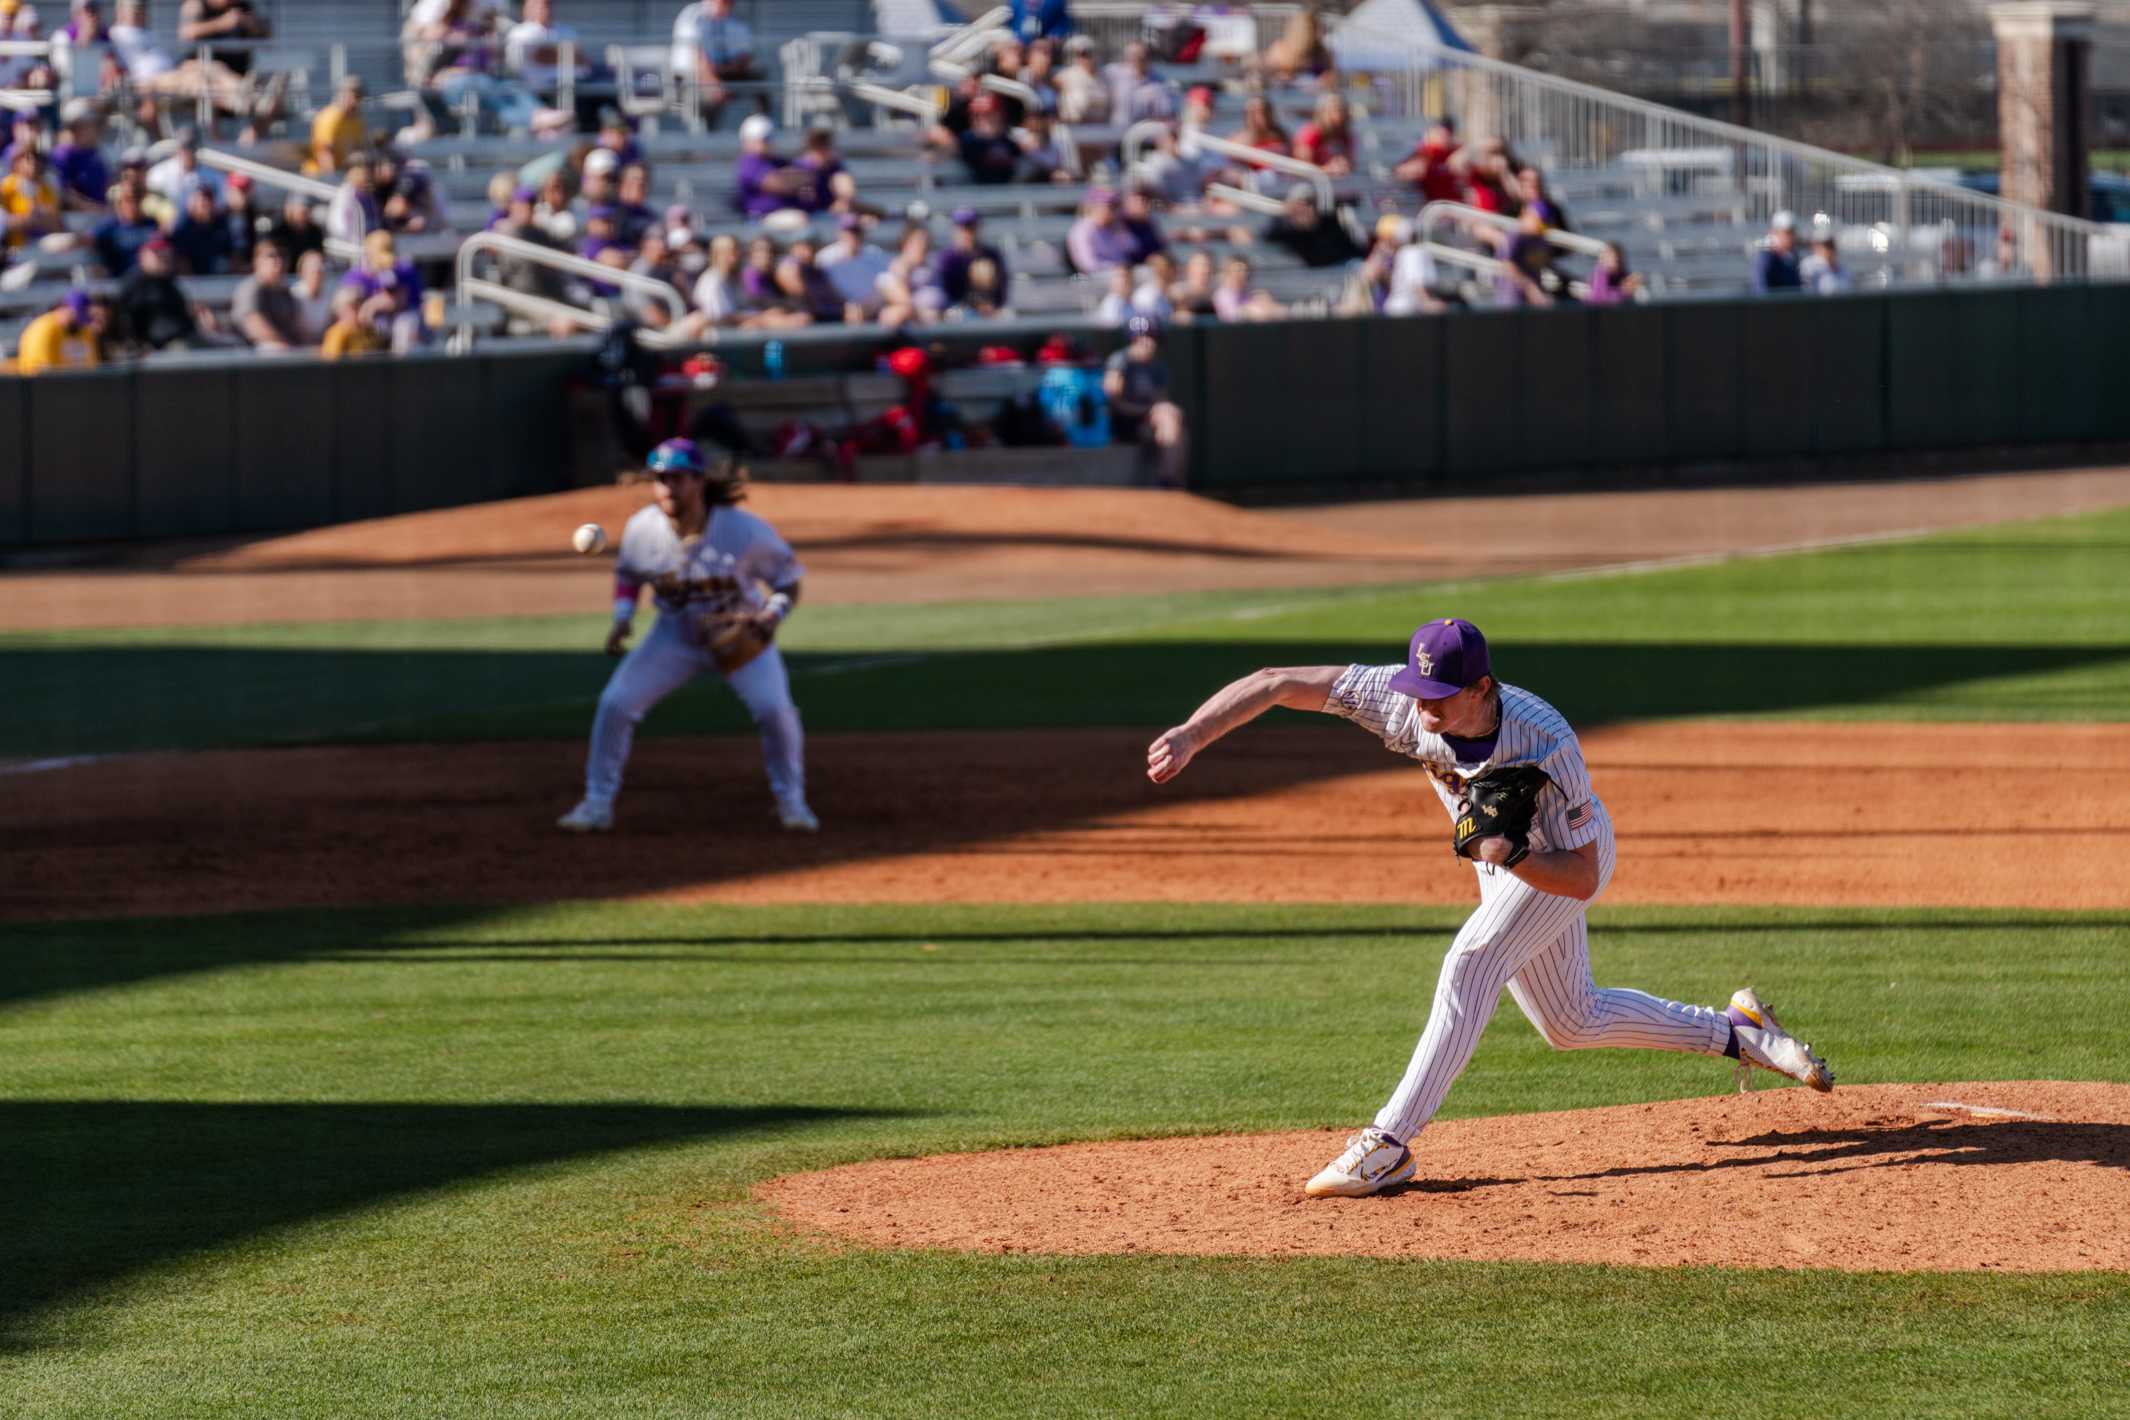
{"points": [[798, 818], [587, 817], [1373, 1161], [1762, 1041]]}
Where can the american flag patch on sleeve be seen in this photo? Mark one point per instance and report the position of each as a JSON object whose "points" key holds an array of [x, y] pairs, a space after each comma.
{"points": [[1579, 815]]}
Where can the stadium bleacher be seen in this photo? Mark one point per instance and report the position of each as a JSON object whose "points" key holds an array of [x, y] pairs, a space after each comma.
{"points": [[1687, 231]]}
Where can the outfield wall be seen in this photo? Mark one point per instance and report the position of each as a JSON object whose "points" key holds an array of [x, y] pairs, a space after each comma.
{"points": [[210, 447]]}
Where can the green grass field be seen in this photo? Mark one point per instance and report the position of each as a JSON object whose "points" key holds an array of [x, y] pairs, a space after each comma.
{"points": [[495, 1162]]}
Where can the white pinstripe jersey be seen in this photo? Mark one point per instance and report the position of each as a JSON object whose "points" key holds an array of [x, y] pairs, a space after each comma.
{"points": [[1532, 732]]}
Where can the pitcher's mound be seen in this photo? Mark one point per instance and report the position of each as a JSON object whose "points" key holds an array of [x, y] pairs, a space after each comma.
{"points": [[2030, 1176]]}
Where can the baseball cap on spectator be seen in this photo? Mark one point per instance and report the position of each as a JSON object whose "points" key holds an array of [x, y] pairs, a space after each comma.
{"points": [[1142, 325], [967, 217], [757, 128], [1200, 94], [240, 181], [1446, 656], [188, 138], [76, 303], [601, 161], [1079, 44], [524, 193], [1783, 221], [678, 237], [77, 110]]}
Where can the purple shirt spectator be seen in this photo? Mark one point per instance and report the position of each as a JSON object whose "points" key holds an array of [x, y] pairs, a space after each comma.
{"points": [[752, 198], [400, 277], [81, 169]]}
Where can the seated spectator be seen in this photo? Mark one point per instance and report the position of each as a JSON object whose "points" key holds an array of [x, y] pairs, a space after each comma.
{"points": [[945, 134], [1775, 265], [1261, 130], [1532, 192], [909, 289], [832, 188], [530, 278], [1136, 213], [601, 243], [1136, 93], [1043, 157], [152, 309], [67, 337], [618, 138], [355, 211], [632, 205], [1300, 52], [1115, 307], [1176, 177], [297, 229], [264, 310], [758, 275], [1529, 278], [353, 331], [19, 22], [25, 131], [1429, 169], [1236, 299], [1487, 169], [1317, 238], [720, 298], [80, 51], [1039, 19], [78, 164], [1413, 279], [119, 238], [1193, 297], [533, 54], [381, 270], [202, 22], [1136, 379], [406, 194], [1611, 283], [1821, 270], [765, 184], [313, 289], [1006, 61], [132, 176], [596, 177], [654, 262], [172, 180], [202, 237], [555, 210], [1150, 296], [1039, 71], [1327, 139], [29, 201], [1098, 240], [854, 267], [800, 279], [986, 296], [965, 248], [453, 51], [988, 153], [1083, 94], [1367, 291], [724, 54], [338, 132]]}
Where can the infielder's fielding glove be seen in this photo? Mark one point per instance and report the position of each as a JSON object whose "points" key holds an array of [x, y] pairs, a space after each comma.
{"points": [[1500, 802]]}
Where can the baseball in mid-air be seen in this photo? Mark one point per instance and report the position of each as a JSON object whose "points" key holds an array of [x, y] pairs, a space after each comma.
{"points": [[588, 539]]}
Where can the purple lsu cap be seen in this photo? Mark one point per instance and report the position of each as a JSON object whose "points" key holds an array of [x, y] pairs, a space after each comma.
{"points": [[1445, 657]]}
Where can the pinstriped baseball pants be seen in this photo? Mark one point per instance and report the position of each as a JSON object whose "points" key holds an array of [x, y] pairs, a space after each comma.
{"points": [[1538, 945]]}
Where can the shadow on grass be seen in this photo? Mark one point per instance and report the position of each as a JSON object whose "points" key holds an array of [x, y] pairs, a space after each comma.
{"points": [[93, 1190]]}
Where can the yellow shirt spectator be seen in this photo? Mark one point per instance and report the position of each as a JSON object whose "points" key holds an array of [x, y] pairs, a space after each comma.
{"points": [[58, 340], [338, 133], [345, 338], [26, 196]]}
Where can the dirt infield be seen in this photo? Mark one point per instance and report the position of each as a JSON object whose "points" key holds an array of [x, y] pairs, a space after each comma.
{"points": [[875, 544], [2020, 1177], [1887, 815]]}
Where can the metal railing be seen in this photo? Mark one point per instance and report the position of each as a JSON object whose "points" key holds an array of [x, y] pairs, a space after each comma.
{"points": [[1137, 136], [1899, 226], [1444, 210], [1489, 265], [965, 41], [470, 286], [346, 250]]}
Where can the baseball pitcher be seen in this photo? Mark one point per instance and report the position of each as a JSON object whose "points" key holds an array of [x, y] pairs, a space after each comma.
{"points": [[724, 581], [1509, 771]]}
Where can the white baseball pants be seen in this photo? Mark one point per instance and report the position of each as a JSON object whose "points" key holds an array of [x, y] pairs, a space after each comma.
{"points": [[662, 663], [1538, 945]]}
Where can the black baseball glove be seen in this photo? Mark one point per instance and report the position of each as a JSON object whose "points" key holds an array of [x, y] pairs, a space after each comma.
{"points": [[1500, 802]]}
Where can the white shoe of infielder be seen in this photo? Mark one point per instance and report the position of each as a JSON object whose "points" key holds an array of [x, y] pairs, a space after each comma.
{"points": [[1762, 1041], [1373, 1161], [798, 818], [587, 817]]}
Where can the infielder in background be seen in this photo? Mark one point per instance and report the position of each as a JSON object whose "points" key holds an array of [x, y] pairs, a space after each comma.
{"points": [[707, 563], [1500, 759]]}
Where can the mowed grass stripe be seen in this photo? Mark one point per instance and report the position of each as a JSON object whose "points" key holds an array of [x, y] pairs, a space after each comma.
{"points": [[468, 1163], [2017, 622]]}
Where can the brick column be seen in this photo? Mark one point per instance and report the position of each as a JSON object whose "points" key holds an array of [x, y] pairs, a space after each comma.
{"points": [[1505, 32], [2044, 102]]}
